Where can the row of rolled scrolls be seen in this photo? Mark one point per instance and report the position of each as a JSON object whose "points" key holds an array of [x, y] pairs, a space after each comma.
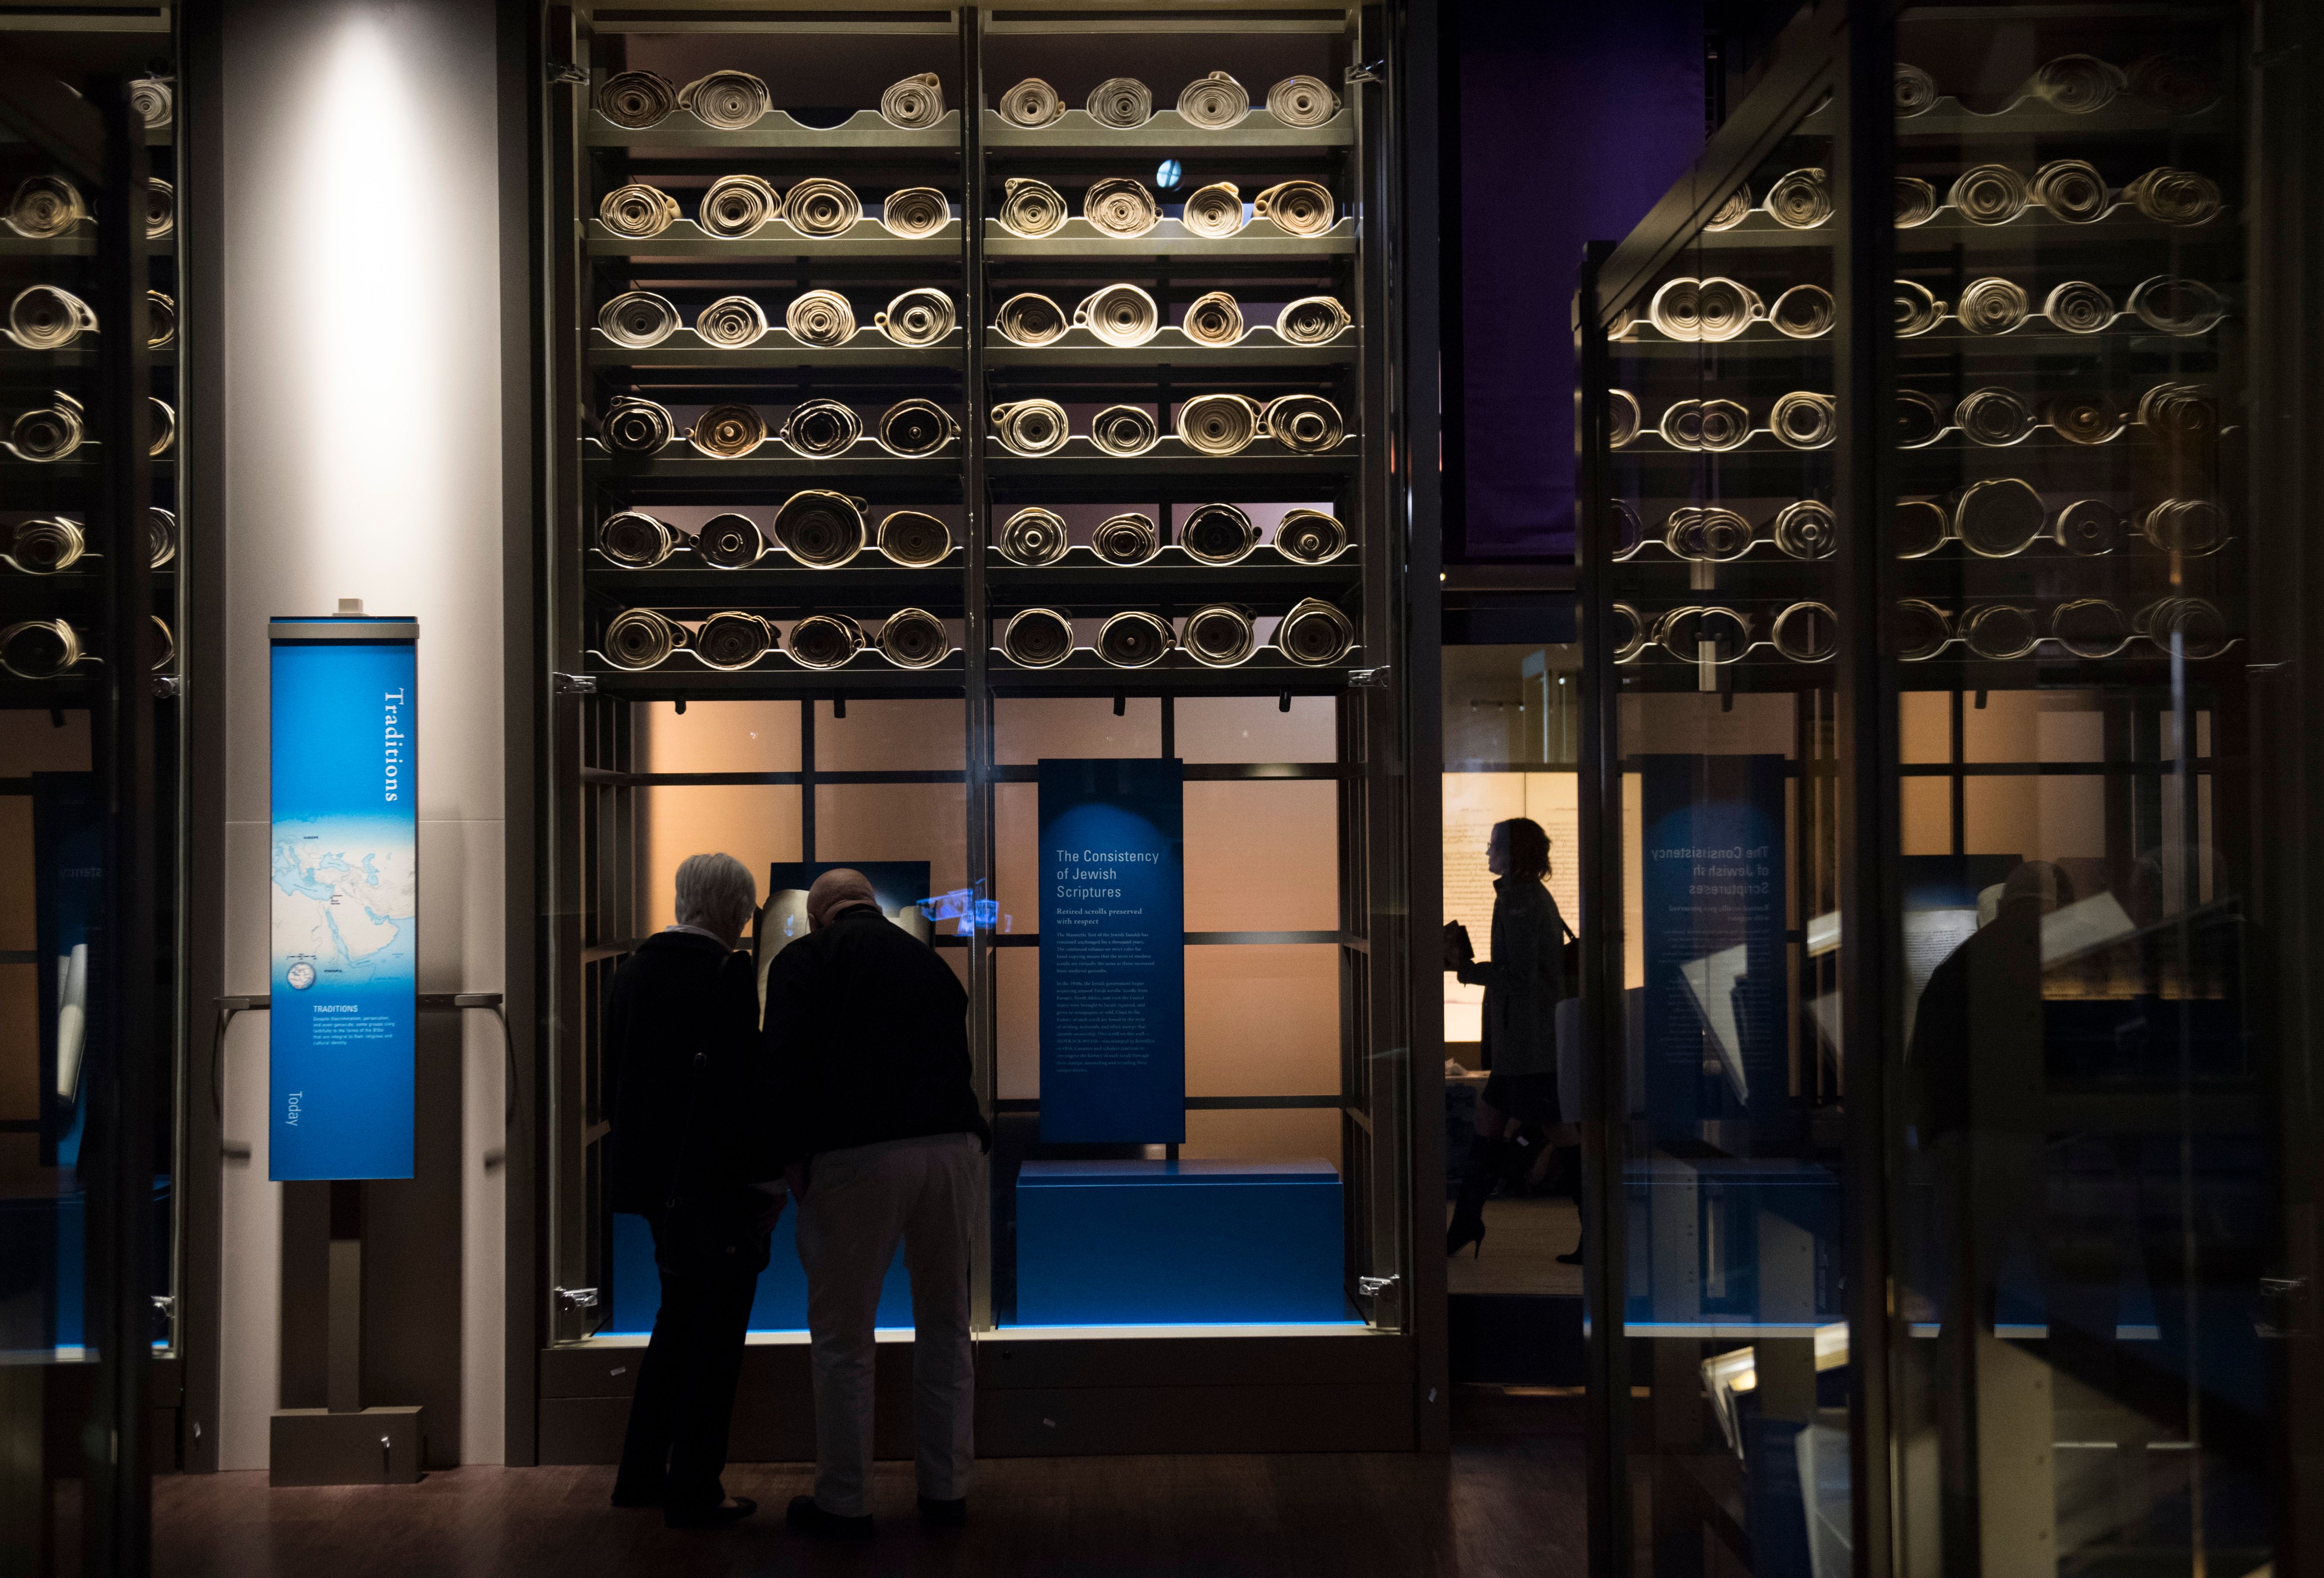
{"points": [[734, 101]]}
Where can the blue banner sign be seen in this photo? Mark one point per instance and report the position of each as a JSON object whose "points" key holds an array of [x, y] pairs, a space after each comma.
{"points": [[1114, 957], [345, 875]]}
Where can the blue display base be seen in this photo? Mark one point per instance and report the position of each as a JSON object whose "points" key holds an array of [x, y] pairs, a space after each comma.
{"points": [[1162, 1243], [781, 1302]]}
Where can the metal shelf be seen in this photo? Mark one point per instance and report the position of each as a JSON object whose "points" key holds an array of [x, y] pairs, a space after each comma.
{"points": [[1168, 131], [864, 130], [1265, 670], [81, 353], [1259, 347], [1947, 118], [775, 348], [1077, 238], [81, 243], [686, 673], [1946, 230], [778, 579], [865, 460], [867, 237], [1080, 457]]}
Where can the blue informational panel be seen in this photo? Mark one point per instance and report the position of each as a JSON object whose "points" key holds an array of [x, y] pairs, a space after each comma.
{"points": [[345, 875], [1114, 960]]}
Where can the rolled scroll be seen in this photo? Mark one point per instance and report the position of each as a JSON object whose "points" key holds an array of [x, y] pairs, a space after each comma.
{"points": [[2000, 631], [637, 211], [2174, 196], [634, 100], [1212, 211], [1120, 315], [2072, 189], [729, 101], [1121, 102], [2091, 527], [1803, 312], [1916, 90], [729, 542], [819, 207], [1917, 202], [2185, 526], [1037, 638], [1218, 534], [637, 320], [1806, 528], [2077, 85], [1219, 635], [1989, 194], [641, 638], [2082, 417], [1998, 517], [154, 100], [48, 318], [1806, 632], [737, 204], [1033, 536], [636, 427], [1121, 208], [44, 547], [1626, 634], [820, 317], [160, 319], [45, 206], [1917, 310], [161, 209], [39, 648], [1305, 424], [1713, 309], [915, 538], [821, 429], [1311, 321], [2090, 627], [2079, 307], [161, 536], [1310, 537], [1315, 633], [1135, 640], [733, 640], [1295, 207], [825, 640], [820, 528], [915, 212], [2190, 626], [1920, 422], [1214, 103], [917, 429], [914, 103], [1302, 101], [635, 541], [1030, 426], [1126, 540], [1032, 103], [913, 638], [1799, 200], [1923, 630], [919, 317], [1918, 527], [1804, 419], [49, 432], [1032, 208], [1716, 425], [728, 432], [1219, 424], [1623, 418], [2180, 410], [1030, 319], [1124, 430], [1680, 426], [1992, 306], [1697, 634], [1629, 528], [2174, 83], [731, 322], [1215, 318], [1707, 535], [1994, 417], [2169, 304], [1732, 212]]}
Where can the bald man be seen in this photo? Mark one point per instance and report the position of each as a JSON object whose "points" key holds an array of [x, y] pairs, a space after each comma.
{"points": [[867, 1031]]}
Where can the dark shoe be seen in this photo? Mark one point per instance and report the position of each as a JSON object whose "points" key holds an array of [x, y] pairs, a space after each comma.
{"points": [[731, 1511], [938, 1514], [808, 1517], [1572, 1259], [1463, 1232]]}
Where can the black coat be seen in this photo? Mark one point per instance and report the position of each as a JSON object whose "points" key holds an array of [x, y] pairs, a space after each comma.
{"points": [[1524, 980], [867, 1034], [701, 1132]]}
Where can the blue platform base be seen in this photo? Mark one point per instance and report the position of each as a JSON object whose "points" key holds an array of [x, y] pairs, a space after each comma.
{"points": [[1154, 1243], [781, 1302]]}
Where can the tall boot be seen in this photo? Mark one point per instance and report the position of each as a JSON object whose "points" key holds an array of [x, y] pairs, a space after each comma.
{"points": [[1468, 1225]]}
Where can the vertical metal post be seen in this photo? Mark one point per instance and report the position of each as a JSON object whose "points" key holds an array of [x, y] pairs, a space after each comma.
{"points": [[974, 640], [343, 1362]]}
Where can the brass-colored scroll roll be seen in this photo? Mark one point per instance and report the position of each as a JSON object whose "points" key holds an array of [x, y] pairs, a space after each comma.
{"points": [[1923, 630], [1121, 102], [1701, 635], [1134, 640], [637, 320], [1219, 635], [635, 100], [1680, 426], [1030, 319], [825, 640], [2083, 417], [1916, 90], [1710, 535], [45, 206], [49, 432], [1295, 207], [1218, 534], [2078, 85], [728, 432], [162, 422], [1918, 527], [914, 104], [1120, 315], [1917, 310], [2190, 626], [1311, 321], [821, 429], [2072, 189], [727, 101], [1806, 528], [819, 207], [1917, 202], [2079, 307], [1803, 312], [731, 322], [1737, 209], [915, 538], [1129, 539], [820, 317], [2091, 527], [637, 211], [1806, 632], [1215, 318], [48, 318], [161, 319], [1627, 634], [919, 317], [154, 100], [1037, 638], [733, 640], [1213, 103], [1032, 103], [1305, 424], [1799, 200], [1030, 426], [1033, 536], [2169, 304], [641, 638], [1212, 211], [2180, 410], [1032, 208], [1629, 528], [821, 529], [913, 638], [2090, 627], [1310, 537], [161, 209], [1989, 194], [1219, 424], [2185, 526], [39, 648], [2000, 632], [44, 547], [1315, 633], [1713, 309], [636, 427], [1302, 101], [1996, 418], [1125, 430], [635, 541], [1920, 420], [1804, 419], [1121, 208], [1998, 517], [2174, 83], [2174, 196], [1724, 424], [917, 429], [1623, 418], [735, 206], [729, 542], [161, 536], [1992, 306], [915, 212]]}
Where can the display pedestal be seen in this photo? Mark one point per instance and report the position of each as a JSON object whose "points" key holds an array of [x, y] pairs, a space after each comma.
{"points": [[345, 1442]]}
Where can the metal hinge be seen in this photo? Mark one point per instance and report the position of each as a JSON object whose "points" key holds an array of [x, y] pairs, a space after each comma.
{"points": [[166, 1302], [166, 686], [1367, 71], [576, 685], [566, 71], [1369, 679], [573, 1299], [1372, 1287]]}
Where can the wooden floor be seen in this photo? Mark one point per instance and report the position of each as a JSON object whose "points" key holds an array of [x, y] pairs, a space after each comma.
{"points": [[1523, 1239], [1508, 1500]]}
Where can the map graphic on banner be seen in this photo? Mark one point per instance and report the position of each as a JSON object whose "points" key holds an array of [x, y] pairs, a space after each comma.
{"points": [[346, 895]]}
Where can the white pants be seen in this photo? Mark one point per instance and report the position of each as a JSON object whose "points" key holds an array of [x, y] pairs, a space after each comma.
{"points": [[858, 1203]]}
